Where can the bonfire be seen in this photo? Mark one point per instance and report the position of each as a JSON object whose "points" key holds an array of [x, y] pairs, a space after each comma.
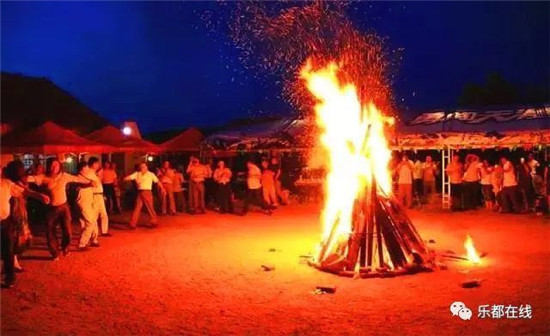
{"points": [[364, 230]]}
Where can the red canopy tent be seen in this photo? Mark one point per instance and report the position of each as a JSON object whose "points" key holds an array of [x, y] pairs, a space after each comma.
{"points": [[188, 141], [49, 138], [112, 136]]}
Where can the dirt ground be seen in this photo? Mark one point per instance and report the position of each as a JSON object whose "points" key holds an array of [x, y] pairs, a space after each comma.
{"points": [[202, 275]]}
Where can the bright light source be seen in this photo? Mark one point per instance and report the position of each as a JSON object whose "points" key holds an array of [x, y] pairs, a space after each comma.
{"points": [[126, 130], [69, 159], [150, 158]]}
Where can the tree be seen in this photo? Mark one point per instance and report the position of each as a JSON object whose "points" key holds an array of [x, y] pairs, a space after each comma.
{"points": [[498, 91]]}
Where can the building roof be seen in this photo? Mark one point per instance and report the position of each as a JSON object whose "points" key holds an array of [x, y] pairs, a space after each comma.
{"points": [[49, 138], [112, 136], [187, 141]]}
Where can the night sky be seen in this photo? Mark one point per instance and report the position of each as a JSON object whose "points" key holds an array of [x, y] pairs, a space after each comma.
{"points": [[158, 63]]}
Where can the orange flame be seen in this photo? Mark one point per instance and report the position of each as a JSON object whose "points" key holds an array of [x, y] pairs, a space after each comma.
{"points": [[471, 252], [354, 138]]}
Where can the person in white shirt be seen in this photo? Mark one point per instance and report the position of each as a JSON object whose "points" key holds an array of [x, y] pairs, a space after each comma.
{"points": [[254, 191], [88, 214], [9, 190], [197, 174], [90, 173], [222, 177], [455, 171], [166, 176], [144, 180], [177, 188], [58, 212], [471, 191], [509, 194], [418, 176], [404, 172]]}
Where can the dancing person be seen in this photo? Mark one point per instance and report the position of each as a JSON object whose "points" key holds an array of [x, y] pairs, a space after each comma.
{"points": [[56, 181], [268, 185], [15, 172], [254, 189], [8, 191], [429, 171], [404, 171], [486, 185], [222, 176], [197, 174], [454, 170], [177, 188], [166, 176], [90, 173], [109, 181], [471, 186], [88, 212], [144, 180], [509, 187]]}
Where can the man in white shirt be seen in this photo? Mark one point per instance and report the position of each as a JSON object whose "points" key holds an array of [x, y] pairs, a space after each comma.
{"points": [[88, 213], [418, 178], [455, 171], [509, 194], [404, 181], [429, 171], [8, 189], [254, 192], [58, 212], [197, 174], [90, 173], [144, 180], [222, 176], [471, 189]]}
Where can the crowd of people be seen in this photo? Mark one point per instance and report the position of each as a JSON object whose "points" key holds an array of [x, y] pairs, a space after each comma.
{"points": [[97, 193], [501, 186], [42, 195]]}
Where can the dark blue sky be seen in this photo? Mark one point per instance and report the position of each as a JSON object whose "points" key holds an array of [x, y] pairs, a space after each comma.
{"points": [[157, 63]]}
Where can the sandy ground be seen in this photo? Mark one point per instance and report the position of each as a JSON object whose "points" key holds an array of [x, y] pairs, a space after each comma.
{"points": [[202, 275]]}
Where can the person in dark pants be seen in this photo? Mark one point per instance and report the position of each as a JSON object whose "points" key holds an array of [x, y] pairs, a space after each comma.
{"points": [[525, 185], [254, 189], [509, 193], [177, 188], [109, 180], [58, 212], [471, 187], [455, 171], [9, 190], [222, 177]]}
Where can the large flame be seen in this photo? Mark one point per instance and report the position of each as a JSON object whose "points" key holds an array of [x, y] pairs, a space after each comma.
{"points": [[353, 135], [471, 252]]}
